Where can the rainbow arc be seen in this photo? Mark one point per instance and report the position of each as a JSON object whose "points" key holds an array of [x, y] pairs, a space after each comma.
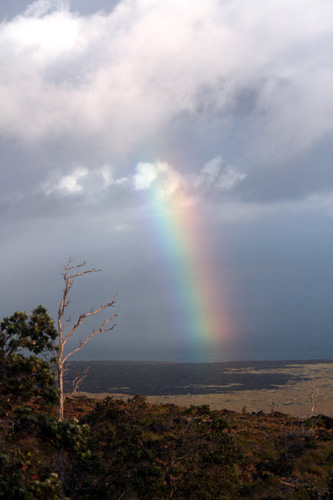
{"points": [[179, 227]]}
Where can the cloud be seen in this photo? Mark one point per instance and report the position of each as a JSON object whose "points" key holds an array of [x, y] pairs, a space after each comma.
{"points": [[88, 182], [65, 74], [210, 172], [160, 177], [215, 175], [70, 183], [216, 188], [146, 174], [86, 98], [40, 8]]}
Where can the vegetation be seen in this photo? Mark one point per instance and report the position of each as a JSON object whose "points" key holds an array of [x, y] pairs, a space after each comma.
{"points": [[26, 349], [24, 341], [131, 449]]}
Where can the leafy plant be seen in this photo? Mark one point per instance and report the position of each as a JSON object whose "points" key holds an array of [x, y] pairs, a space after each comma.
{"points": [[26, 349]]}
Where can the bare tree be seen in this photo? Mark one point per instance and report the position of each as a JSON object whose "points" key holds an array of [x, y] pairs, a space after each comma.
{"points": [[315, 396], [77, 381], [70, 274]]}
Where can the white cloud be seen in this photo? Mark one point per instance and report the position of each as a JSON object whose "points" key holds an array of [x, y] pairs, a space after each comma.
{"points": [[216, 175], [210, 172], [107, 174], [145, 176], [120, 78], [69, 183], [165, 185], [89, 182], [45, 32]]}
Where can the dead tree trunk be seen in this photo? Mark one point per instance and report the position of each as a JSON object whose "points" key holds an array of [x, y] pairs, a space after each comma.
{"points": [[70, 274]]}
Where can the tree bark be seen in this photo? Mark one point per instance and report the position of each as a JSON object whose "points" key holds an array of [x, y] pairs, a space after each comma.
{"points": [[61, 391]]}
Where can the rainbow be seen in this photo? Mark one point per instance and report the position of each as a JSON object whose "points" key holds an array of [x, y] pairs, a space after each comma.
{"points": [[180, 231]]}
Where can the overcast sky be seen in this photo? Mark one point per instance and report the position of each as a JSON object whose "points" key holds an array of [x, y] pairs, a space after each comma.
{"points": [[185, 149]]}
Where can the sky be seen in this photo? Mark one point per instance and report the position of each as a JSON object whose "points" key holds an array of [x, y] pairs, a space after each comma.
{"points": [[184, 148]]}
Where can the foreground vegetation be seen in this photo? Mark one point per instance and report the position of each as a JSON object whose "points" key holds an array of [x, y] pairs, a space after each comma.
{"points": [[130, 449]]}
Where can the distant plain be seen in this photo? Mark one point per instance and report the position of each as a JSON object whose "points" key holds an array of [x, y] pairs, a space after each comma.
{"points": [[286, 386]]}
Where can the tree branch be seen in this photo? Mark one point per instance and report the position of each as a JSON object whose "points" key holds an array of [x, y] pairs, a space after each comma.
{"points": [[101, 330], [78, 381], [84, 316]]}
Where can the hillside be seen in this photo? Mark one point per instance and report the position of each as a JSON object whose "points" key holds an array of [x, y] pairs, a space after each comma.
{"points": [[136, 450], [135, 447]]}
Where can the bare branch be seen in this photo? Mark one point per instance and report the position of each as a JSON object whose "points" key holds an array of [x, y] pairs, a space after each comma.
{"points": [[93, 312], [97, 332], [78, 381]]}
